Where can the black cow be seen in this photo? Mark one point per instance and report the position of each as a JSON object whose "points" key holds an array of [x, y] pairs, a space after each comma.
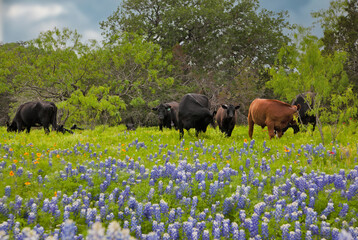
{"points": [[61, 128], [306, 101], [194, 113], [34, 114], [226, 118], [167, 114]]}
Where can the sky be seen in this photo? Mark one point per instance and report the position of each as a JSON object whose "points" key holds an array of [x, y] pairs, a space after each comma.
{"points": [[22, 20]]}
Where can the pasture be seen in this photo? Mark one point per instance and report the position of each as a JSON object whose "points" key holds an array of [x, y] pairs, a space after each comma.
{"points": [[155, 186]]}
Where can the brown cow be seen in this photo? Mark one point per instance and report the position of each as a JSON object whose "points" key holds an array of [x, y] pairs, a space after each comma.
{"points": [[274, 114]]}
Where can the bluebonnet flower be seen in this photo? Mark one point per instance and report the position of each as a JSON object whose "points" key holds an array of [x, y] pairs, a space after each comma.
{"points": [[254, 227], [328, 209], [285, 231], [352, 191], [18, 203], [68, 230], [27, 233], [259, 208], [335, 234], [157, 213], [251, 175], [206, 235], [228, 205], [242, 215], [150, 194], [244, 178], [308, 235], [96, 232], [164, 208], [188, 228], [242, 235], [278, 212], [314, 229], [19, 171], [264, 230], [339, 182], [252, 142], [8, 191], [216, 232], [325, 230], [344, 210], [31, 218], [311, 217]]}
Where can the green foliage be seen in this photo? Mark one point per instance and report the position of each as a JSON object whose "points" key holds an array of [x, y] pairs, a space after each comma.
{"points": [[96, 107], [302, 67], [90, 83], [340, 25], [210, 39]]}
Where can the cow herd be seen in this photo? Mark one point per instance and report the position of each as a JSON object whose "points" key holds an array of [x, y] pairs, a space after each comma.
{"points": [[193, 111]]}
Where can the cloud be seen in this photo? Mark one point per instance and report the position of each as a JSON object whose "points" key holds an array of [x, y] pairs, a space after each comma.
{"points": [[35, 12], [92, 34], [24, 21]]}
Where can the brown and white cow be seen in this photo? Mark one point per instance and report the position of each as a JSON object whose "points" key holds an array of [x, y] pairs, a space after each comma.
{"points": [[274, 114]]}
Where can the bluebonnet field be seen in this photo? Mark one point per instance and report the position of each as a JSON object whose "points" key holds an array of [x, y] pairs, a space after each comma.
{"points": [[112, 184]]}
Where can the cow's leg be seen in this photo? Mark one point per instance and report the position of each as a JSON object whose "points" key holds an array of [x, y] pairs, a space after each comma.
{"points": [[160, 127], [28, 129], [47, 130], [251, 125], [279, 133], [181, 130], [314, 125], [271, 130], [229, 131]]}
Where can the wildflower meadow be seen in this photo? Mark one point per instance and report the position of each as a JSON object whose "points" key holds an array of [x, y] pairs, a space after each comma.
{"points": [[109, 183]]}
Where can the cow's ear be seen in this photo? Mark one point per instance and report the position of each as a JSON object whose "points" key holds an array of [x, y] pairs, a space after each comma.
{"points": [[298, 107], [155, 109], [224, 106], [237, 107]]}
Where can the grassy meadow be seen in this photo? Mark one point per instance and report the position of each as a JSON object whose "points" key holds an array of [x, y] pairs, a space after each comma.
{"points": [[109, 182]]}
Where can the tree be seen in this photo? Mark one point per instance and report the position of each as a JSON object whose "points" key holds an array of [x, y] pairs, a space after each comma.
{"points": [[340, 24], [91, 84], [213, 37], [302, 67]]}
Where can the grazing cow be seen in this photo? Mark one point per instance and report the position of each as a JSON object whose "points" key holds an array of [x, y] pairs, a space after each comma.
{"points": [[74, 127], [194, 113], [306, 100], [61, 128], [226, 118], [130, 124], [34, 114], [167, 114], [274, 114]]}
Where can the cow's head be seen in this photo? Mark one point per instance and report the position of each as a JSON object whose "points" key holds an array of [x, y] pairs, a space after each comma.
{"points": [[230, 110], [163, 110], [11, 127], [297, 107]]}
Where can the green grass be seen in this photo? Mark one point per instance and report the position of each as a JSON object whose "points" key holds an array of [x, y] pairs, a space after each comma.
{"points": [[32, 152]]}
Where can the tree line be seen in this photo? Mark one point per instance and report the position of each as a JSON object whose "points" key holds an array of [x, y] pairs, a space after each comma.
{"points": [[155, 51]]}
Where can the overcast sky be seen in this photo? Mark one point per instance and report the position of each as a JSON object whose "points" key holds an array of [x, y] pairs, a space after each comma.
{"points": [[22, 20]]}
